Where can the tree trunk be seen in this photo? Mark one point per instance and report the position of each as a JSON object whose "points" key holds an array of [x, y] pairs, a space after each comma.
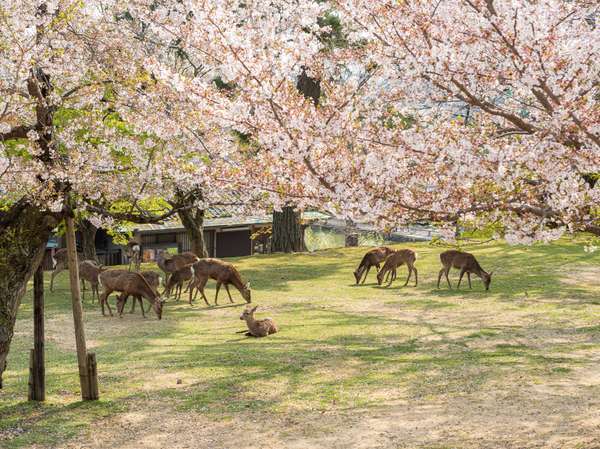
{"points": [[193, 222], [88, 240], [24, 232], [288, 235]]}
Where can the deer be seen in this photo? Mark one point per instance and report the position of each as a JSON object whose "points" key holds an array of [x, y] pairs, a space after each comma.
{"points": [[89, 271], [129, 283], [467, 263], [395, 260], [372, 258], [174, 263], [134, 253], [177, 279], [258, 328], [153, 279], [222, 272], [61, 262]]}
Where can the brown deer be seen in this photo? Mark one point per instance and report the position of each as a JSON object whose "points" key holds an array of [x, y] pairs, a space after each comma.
{"points": [[395, 260], [153, 279], [134, 253], [89, 271], [467, 263], [258, 328], [222, 272], [372, 258], [61, 262], [177, 279], [130, 284], [175, 262]]}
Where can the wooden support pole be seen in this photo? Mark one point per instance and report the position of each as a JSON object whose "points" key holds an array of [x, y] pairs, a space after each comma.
{"points": [[84, 379], [93, 375], [37, 390]]}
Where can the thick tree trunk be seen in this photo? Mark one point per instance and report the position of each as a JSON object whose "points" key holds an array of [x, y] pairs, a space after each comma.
{"points": [[88, 240], [193, 222], [24, 232], [288, 235]]}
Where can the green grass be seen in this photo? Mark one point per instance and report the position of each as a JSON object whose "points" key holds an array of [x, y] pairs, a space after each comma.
{"points": [[340, 347]]}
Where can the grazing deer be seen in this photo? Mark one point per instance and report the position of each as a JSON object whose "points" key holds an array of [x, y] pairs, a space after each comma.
{"points": [[467, 263], [372, 258], [130, 284], [89, 271], [177, 279], [61, 262], [134, 254], [175, 262], [395, 260], [153, 279], [258, 328], [222, 272]]}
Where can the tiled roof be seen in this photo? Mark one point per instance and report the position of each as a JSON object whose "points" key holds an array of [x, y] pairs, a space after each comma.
{"points": [[225, 221]]}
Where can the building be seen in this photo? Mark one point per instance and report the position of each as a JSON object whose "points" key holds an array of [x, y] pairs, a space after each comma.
{"points": [[223, 236]]}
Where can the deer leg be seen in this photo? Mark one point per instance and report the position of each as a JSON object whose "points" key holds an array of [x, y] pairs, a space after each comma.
{"points": [[409, 273], [366, 273], [416, 276], [121, 300], [217, 292], [469, 278], [462, 273], [108, 306], [228, 294], [103, 299], [139, 298], [190, 287], [82, 290], [132, 309], [446, 271], [440, 277], [200, 288], [378, 266], [391, 276]]}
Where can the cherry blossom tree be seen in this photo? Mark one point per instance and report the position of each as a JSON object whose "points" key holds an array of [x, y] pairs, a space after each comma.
{"points": [[443, 110]]}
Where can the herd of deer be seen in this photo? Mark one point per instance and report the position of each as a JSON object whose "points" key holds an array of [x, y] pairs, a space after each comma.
{"points": [[391, 259], [178, 269], [187, 267]]}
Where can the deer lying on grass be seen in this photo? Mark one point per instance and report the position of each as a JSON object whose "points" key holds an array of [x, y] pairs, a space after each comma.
{"points": [[153, 279], [177, 279], [61, 262], [258, 328], [222, 272], [175, 262], [129, 284], [467, 263], [395, 260], [89, 271], [372, 258]]}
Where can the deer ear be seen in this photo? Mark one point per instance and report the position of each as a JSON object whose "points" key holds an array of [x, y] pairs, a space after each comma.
{"points": [[491, 272], [248, 285], [254, 309]]}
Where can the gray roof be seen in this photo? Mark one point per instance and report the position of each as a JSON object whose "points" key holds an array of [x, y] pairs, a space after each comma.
{"points": [[174, 224]]}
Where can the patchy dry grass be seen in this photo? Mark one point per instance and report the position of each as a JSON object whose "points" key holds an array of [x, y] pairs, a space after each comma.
{"points": [[363, 367]]}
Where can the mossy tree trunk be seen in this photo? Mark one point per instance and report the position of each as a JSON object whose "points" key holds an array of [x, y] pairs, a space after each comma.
{"points": [[24, 232], [87, 232], [288, 235]]}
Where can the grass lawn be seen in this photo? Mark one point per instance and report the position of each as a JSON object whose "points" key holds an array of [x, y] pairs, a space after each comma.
{"points": [[360, 367]]}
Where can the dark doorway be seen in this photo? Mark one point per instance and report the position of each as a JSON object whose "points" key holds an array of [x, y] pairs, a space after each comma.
{"points": [[233, 243]]}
